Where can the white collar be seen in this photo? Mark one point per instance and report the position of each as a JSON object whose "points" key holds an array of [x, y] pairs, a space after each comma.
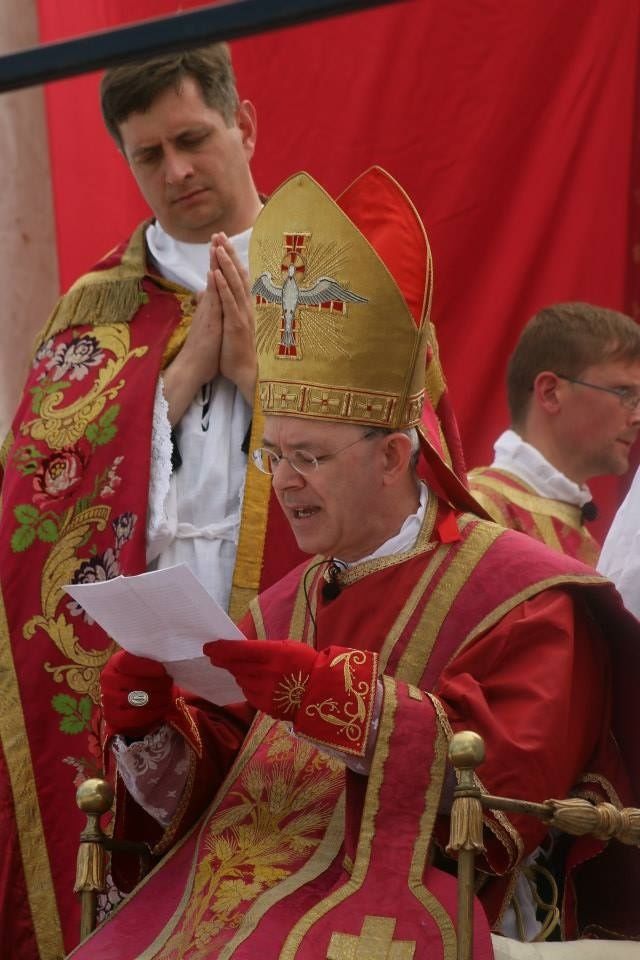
{"points": [[403, 540], [516, 456], [188, 263]]}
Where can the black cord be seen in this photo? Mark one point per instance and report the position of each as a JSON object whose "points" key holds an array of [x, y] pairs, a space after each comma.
{"points": [[330, 589], [314, 566]]}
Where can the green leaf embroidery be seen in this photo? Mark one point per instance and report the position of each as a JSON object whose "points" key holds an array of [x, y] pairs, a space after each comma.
{"points": [[109, 415], [63, 703], [86, 706], [72, 725], [22, 538], [48, 531], [26, 513], [40, 391], [75, 715], [103, 431]]}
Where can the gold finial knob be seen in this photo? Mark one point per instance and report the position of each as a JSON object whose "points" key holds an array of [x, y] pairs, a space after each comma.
{"points": [[94, 796], [466, 750]]}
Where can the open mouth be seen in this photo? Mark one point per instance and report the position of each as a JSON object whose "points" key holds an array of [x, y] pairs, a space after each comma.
{"points": [[303, 513]]}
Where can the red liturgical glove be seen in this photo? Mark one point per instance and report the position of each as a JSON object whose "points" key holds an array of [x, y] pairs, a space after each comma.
{"points": [[137, 694], [327, 696]]}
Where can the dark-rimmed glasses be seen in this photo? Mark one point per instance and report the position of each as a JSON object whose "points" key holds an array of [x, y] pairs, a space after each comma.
{"points": [[627, 396], [267, 460]]}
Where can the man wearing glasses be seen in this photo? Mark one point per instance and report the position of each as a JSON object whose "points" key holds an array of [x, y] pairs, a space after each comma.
{"points": [[412, 617], [573, 389]]}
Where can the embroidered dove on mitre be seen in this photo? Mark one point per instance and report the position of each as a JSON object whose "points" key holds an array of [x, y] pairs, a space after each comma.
{"points": [[290, 295]]}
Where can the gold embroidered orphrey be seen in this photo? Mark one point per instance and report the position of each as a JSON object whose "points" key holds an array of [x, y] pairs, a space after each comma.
{"points": [[374, 943], [323, 294]]}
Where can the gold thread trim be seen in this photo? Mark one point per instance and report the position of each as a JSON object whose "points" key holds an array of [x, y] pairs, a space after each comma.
{"points": [[322, 402], [418, 649], [301, 624], [416, 596], [525, 594], [258, 621], [527, 498], [493, 508], [365, 840], [606, 786], [4, 449], [253, 525], [421, 847], [423, 544], [29, 826], [547, 532]]}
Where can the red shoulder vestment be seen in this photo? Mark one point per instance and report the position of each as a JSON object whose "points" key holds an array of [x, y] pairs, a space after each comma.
{"points": [[513, 503]]}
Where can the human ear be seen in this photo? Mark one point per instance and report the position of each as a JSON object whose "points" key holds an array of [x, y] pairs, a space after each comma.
{"points": [[247, 122], [397, 456], [546, 391]]}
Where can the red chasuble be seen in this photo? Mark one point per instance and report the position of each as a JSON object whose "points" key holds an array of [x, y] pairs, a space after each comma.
{"points": [[298, 858], [513, 503], [74, 507]]}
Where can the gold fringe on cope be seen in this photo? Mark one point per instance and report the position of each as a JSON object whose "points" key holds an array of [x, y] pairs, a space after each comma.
{"points": [[95, 301], [4, 449]]}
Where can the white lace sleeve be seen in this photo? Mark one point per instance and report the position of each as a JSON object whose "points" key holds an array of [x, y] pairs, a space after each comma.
{"points": [[160, 474], [154, 771]]}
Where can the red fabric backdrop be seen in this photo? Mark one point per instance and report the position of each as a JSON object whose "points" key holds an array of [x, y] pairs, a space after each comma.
{"points": [[512, 125]]}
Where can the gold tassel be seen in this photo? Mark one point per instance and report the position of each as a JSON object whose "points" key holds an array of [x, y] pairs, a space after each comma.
{"points": [[578, 817], [465, 830], [574, 816], [90, 867]]}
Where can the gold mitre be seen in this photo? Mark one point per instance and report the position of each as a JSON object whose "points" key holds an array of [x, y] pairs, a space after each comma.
{"points": [[343, 296], [336, 338]]}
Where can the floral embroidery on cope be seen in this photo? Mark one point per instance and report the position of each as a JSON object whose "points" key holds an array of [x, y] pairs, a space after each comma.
{"points": [[69, 473]]}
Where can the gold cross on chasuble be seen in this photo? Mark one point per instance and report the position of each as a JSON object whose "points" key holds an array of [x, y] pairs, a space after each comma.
{"points": [[374, 943]]}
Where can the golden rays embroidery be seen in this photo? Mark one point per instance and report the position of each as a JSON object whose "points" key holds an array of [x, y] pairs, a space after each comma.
{"points": [[290, 691]]}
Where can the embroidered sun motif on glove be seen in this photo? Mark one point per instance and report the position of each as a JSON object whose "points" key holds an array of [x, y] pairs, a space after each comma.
{"points": [[289, 692]]}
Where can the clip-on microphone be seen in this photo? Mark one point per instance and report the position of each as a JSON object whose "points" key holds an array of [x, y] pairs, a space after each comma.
{"points": [[331, 586]]}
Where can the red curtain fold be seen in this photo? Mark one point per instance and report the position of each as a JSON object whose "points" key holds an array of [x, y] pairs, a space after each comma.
{"points": [[512, 126]]}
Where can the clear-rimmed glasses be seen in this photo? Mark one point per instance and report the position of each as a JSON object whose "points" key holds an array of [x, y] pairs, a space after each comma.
{"points": [[628, 396], [267, 460]]}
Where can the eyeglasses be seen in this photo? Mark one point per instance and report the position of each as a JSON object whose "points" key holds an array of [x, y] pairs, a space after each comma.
{"points": [[267, 460], [627, 396]]}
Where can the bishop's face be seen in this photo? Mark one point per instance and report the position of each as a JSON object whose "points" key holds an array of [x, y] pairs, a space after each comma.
{"points": [[331, 509], [191, 167]]}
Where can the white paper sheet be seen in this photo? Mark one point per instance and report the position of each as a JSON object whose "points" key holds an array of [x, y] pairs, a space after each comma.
{"points": [[166, 615]]}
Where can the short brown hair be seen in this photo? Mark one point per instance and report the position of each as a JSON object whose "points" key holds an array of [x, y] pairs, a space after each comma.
{"points": [[567, 338], [133, 87]]}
